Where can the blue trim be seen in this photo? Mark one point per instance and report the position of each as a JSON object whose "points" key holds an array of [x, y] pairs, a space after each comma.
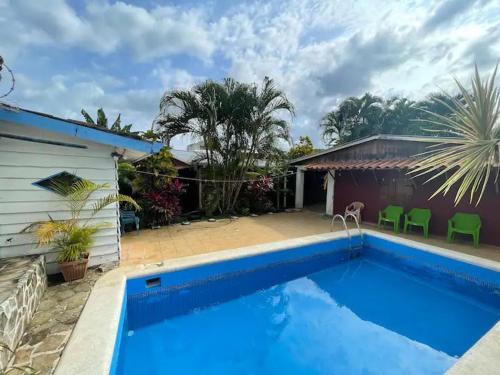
{"points": [[79, 131]]}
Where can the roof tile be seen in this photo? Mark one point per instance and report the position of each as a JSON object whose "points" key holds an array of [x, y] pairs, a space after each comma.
{"points": [[402, 163]]}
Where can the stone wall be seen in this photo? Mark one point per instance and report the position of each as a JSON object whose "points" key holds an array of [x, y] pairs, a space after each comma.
{"points": [[22, 284]]}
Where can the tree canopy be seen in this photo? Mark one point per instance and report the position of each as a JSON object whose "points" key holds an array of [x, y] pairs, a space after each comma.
{"points": [[238, 123], [303, 147], [369, 114]]}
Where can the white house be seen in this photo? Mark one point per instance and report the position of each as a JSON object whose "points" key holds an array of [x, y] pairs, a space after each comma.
{"points": [[36, 148]]}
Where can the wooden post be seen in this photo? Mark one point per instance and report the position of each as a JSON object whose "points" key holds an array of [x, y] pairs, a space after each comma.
{"points": [[284, 191], [200, 189]]}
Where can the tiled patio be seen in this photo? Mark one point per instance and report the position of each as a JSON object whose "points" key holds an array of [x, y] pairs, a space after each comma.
{"points": [[150, 246]]}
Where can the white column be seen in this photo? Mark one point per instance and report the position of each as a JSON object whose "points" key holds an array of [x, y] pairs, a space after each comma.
{"points": [[330, 191], [299, 188]]}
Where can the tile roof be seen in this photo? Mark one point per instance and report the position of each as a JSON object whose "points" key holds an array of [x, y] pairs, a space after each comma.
{"points": [[388, 137], [401, 163]]}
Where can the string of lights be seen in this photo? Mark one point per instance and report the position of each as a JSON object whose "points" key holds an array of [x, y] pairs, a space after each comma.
{"points": [[211, 180]]}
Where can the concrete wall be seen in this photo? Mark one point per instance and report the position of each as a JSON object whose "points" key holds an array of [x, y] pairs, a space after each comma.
{"points": [[21, 203], [377, 190]]}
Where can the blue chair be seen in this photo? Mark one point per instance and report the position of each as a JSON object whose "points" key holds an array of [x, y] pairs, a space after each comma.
{"points": [[128, 217]]}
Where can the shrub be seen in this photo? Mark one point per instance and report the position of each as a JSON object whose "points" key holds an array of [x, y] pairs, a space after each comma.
{"points": [[165, 202], [258, 192]]}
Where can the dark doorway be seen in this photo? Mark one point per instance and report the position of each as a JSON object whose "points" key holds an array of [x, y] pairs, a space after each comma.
{"points": [[314, 193]]}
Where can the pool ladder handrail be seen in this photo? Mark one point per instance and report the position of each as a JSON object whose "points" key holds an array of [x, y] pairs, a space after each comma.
{"points": [[343, 219], [357, 226], [345, 227]]}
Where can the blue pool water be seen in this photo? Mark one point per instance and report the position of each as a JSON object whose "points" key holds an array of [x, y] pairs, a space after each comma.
{"points": [[323, 314]]}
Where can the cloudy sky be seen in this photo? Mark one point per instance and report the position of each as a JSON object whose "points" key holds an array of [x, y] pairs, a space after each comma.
{"points": [[122, 56]]}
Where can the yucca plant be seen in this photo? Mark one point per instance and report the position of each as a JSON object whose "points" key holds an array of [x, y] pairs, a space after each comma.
{"points": [[470, 157], [74, 237]]}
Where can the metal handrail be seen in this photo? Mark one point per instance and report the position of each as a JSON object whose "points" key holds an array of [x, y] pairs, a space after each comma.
{"points": [[345, 227], [357, 225]]}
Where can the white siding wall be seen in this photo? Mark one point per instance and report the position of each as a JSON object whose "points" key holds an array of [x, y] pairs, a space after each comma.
{"points": [[21, 202]]}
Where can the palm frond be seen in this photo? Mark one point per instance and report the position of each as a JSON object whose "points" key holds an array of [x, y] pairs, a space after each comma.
{"points": [[71, 237], [110, 199], [77, 194], [468, 160], [87, 117], [47, 231]]}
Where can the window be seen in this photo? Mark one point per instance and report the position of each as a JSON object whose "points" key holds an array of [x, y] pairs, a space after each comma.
{"points": [[63, 178]]}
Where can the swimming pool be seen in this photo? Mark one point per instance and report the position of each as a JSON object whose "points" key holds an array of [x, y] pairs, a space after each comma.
{"points": [[311, 307], [318, 309]]}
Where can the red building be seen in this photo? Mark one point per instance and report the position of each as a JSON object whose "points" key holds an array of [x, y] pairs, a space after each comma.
{"points": [[374, 171]]}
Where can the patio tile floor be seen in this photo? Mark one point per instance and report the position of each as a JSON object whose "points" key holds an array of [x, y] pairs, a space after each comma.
{"points": [[151, 246]]}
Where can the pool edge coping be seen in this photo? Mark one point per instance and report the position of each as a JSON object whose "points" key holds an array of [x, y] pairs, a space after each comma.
{"points": [[90, 336]]}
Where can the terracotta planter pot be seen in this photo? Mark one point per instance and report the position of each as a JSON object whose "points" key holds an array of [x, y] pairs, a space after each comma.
{"points": [[74, 270]]}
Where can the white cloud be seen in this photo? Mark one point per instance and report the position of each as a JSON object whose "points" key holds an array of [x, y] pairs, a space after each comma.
{"points": [[164, 30], [322, 51], [63, 96], [174, 78], [318, 51], [105, 28]]}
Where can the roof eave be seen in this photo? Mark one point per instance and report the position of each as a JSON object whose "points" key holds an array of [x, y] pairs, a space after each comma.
{"points": [[372, 138], [78, 131]]}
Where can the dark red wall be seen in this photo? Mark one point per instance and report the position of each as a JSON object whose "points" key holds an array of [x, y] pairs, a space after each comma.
{"points": [[366, 187]]}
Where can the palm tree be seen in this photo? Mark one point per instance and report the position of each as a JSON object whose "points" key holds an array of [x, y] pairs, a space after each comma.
{"points": [[426, 109], [237, 123], [334, 129], [73, 237], [354, 118], [369, 116], [470, 159], [102, 122], [398, 115]]}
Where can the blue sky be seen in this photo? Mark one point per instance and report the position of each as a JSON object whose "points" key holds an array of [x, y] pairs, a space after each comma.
{"points": [[123, 56]]}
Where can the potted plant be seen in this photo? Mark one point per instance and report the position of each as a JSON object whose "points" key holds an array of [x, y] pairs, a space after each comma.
{"points": [[74, 237]]}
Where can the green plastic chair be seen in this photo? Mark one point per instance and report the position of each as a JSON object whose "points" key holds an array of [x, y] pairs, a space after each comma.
{"points": [[390, 214], [418, 217], [465, 224]]}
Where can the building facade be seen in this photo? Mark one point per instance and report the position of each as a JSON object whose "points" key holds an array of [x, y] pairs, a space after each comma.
{"points": [[37, 148], [375, 171]]}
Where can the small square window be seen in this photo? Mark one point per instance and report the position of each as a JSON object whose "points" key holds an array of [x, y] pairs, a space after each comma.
{"points": [[63, 178]]}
